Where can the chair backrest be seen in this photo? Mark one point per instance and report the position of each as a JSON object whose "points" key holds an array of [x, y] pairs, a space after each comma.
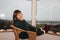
{"points": [[32, 35]]}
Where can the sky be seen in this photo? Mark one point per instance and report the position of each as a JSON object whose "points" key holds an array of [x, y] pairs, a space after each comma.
{"points": [[47, 10]]}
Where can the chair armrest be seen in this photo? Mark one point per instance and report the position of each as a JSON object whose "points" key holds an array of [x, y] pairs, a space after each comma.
{"points": [[16, 27], [20, 29]]}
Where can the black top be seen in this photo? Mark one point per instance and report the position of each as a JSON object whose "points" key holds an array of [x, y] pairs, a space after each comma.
{"points": [[24, 25]]}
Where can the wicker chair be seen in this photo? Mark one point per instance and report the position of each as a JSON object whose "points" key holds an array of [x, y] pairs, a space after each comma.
{"points": [[17, 31]]}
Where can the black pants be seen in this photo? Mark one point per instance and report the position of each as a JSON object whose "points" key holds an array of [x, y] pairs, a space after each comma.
{"points": [[23, 35]]}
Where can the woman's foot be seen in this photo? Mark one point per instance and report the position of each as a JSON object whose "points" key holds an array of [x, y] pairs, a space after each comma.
{"points": [[46, 28]]}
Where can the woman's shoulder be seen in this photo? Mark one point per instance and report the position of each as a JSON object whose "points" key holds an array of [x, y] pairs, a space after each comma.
{"points": [[19, 21], [16, 21]]}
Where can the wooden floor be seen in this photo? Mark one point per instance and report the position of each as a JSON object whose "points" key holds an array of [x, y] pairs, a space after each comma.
{"points": [[7, 36], [10, 36], [48, 37]]}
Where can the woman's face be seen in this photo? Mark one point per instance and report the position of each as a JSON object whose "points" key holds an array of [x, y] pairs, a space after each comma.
{"points": [[19, 16]]}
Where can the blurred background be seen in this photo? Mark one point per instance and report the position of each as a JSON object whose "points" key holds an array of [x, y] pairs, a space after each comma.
{"points": [[48, 13]]}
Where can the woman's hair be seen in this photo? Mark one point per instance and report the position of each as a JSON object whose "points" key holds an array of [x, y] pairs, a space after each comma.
{"points": [[15, 14]]}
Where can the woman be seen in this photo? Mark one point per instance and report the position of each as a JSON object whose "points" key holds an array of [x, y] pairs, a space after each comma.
{"points": [[21, 23]]}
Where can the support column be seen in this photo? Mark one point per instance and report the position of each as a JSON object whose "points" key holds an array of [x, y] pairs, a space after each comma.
{"points": [[34, 12]]}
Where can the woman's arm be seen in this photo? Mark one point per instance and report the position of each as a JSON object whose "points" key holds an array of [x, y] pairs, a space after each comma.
{"points": [[34, 29], [20, 25]]}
